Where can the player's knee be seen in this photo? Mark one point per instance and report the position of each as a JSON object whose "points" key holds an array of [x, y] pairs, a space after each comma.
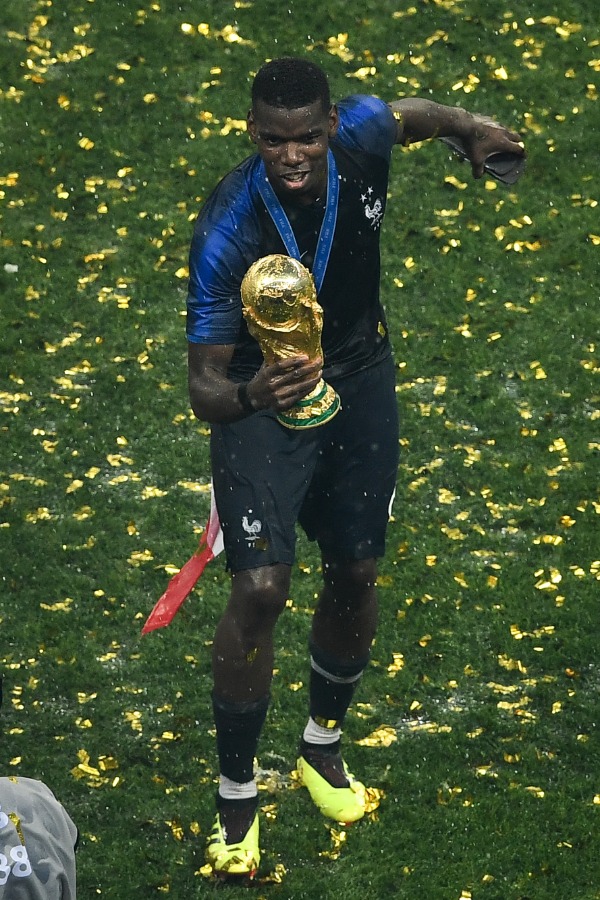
{"points": [[264, 591], [352, 577]]}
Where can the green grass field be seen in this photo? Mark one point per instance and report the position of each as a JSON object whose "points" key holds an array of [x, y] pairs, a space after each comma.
{"points": [[477, 721]]}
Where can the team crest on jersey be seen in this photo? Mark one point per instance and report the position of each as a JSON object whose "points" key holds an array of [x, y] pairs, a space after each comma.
{"points": [[373, 207]]}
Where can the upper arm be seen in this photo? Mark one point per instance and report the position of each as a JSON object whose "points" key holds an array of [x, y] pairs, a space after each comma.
{"points": [[224, 244]]}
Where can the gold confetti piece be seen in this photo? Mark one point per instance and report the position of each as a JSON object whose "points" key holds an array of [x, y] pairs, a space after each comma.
{"points": [[446, 496], [384, 736], [199, 487], [557, 446], [396, 665], [176, 828], [455, 534], [363, 73], [134, 719], [545, 585], [151, 492], [60, 606], [384, 581], [237, 125], [83, 723], [270, 811], [85, 698], [373, 797], [42, 513], [277, 875], [117, 459], [139, 557], [417, 725], [446, 794], [85, 512], [502, 688], [338, 839], [460, 185], [535, 791]]}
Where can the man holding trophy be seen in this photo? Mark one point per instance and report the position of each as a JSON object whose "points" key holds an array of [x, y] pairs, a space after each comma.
{"points": [[290, 362]]}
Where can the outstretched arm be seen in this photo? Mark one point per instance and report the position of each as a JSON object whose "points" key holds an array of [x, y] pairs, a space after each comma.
{"points": [[420, 120]]}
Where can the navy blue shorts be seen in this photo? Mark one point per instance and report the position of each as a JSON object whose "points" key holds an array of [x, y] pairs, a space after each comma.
{"points": [[337, 480]]}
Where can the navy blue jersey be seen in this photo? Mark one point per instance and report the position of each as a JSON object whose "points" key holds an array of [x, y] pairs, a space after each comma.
{"points": [[234, 229]]}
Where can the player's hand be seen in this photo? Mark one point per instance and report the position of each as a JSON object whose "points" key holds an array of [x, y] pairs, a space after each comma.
{"points": [[487, 137], [282, 384]]}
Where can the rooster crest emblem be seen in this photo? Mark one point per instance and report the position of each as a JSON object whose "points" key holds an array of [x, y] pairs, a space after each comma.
{"points": [[252, 528], [374, 213], [373, 207]]}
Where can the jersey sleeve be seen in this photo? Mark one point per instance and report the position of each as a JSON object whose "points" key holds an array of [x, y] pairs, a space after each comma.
{"points": [[367, 124], [221, 251]]}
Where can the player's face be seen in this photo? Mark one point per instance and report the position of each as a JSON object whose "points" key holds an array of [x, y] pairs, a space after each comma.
{"points": [[293, 145]]}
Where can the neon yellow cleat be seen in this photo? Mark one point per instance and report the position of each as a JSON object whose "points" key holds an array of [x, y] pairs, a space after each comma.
{"points": [[344, 804], [233, 859]]}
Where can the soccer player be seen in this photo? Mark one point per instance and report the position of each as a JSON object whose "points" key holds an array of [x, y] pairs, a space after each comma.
{"points": [[37, 842], [315, 189]]}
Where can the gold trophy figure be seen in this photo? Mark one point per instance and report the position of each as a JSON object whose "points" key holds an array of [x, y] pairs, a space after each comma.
{"points": [[282, 312]]}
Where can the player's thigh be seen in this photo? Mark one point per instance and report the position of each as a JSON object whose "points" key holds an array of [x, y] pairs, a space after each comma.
{"points": [[261, 473], [347, 507]]}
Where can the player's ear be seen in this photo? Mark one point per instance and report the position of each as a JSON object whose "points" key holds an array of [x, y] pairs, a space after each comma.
{"points": [[333, 121], [251, 126]]}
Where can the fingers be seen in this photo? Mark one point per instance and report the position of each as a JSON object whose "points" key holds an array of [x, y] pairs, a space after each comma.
{"points": [[286, 381], [295, 370]]}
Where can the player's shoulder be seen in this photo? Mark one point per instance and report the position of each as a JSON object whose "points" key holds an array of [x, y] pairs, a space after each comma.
{"points": [[366, 123], [27, 791], [35, 804], [235, 192]]}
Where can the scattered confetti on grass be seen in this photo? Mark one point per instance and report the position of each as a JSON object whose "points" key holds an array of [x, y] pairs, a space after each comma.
{"points": [[476, 726]]}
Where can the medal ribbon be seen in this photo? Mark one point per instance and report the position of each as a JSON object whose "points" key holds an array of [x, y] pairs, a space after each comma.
{"points": [[282, 223]]}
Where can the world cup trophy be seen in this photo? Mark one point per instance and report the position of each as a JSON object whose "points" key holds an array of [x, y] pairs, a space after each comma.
{"points": [[282, 312]]}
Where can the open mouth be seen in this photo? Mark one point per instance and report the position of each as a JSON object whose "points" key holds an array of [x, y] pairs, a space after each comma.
{"points": [[294, 180]]}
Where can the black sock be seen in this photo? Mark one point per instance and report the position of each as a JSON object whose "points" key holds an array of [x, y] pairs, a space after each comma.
{"points": [[236, 817], [310, 751], [332, 686], [238, 729]]}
